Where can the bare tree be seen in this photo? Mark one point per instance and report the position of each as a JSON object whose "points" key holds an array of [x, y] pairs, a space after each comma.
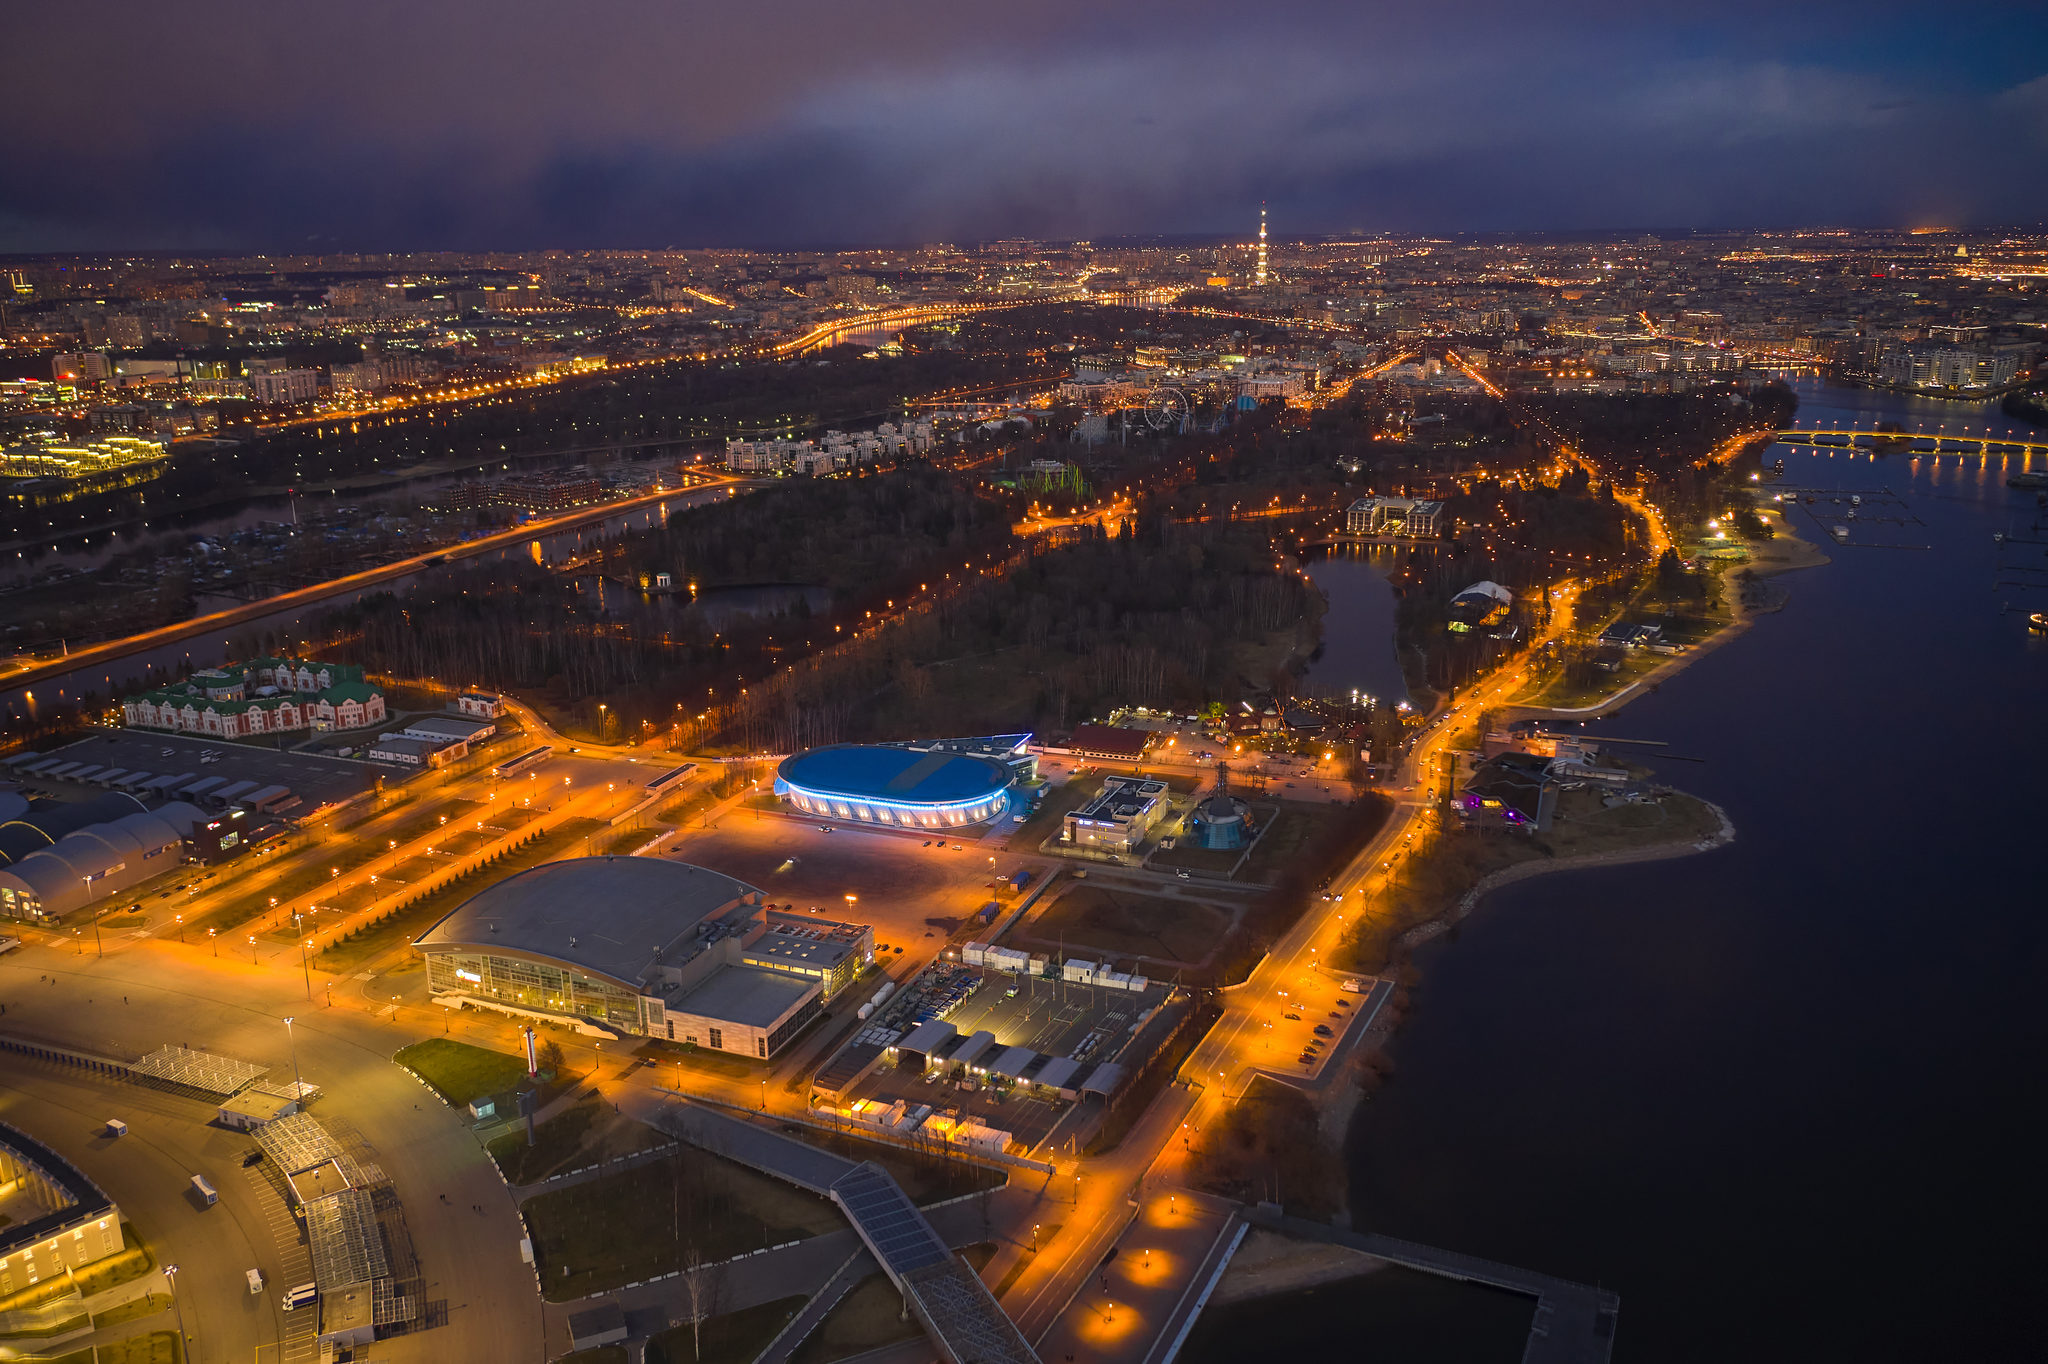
{"points": [[702, 1283]]}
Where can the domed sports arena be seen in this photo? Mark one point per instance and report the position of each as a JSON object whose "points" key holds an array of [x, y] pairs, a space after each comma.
{"points": [[934, 784]]}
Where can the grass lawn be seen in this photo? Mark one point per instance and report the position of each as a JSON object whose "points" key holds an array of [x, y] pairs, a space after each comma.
{"points": [[462, 1072], [871, 1316], [624, 1227], [867, 1318], [401, 928], [923, 1179], [1189, 853], [1293, 829], [1121, 923], [585, 1133], [729, 1338], [619, 842]]}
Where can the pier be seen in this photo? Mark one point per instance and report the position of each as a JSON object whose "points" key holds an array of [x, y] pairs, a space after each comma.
{"points": [[1574, 1323]]}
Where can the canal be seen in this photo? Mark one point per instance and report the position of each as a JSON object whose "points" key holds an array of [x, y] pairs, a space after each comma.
{"points": [[1783, 1096], [106, 679]]}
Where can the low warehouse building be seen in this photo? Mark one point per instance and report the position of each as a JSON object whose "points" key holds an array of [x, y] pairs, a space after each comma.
{"points": [[639, 946]]}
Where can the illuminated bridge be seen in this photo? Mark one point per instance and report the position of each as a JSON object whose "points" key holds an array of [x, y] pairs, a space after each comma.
{"points": [[1912, 442], [895, 319]]}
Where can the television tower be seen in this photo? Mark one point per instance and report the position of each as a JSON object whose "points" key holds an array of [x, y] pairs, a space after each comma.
{"points": [[1259, 274]]}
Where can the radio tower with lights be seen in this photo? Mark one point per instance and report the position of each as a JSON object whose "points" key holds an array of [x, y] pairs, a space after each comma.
{"points": [[1259, 273]]}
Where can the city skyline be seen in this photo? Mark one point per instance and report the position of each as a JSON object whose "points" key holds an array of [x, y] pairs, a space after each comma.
{"points": [[803, 127]]}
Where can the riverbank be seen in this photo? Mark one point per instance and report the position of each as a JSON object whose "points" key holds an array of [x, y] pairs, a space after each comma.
{"points": [[1683, 1080], [1267, 1263], [1722, 835], [1785, 552]]}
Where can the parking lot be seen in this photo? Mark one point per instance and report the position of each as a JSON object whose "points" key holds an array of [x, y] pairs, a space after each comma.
{"points": [[1052, 1017], [1056, 1017], [316, 781]]}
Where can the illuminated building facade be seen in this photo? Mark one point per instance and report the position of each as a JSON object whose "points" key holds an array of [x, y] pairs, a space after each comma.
{"points": [[934, 784], [56, 1219], [635, 946]]}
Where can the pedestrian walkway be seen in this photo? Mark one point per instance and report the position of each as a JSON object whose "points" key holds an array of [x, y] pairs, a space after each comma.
{"points": [[753, 1145], [949, 1300], [843, 1281], [1573, 1324]]}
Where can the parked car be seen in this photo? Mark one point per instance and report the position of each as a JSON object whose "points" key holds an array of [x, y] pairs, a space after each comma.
{"points": [[1323, 1030]]}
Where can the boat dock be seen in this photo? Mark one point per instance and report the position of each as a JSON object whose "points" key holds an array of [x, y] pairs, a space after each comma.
{"points": [[1574, 1323]]}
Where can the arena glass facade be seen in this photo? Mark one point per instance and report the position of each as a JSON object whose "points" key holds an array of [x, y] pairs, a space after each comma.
{"points": [[535, 983]]}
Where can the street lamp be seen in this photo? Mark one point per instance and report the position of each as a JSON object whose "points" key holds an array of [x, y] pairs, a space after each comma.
{"points": [[213, 936], [171, 1277], [298, 1085]]}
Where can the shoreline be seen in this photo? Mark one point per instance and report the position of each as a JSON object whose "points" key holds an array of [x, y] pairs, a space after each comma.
{"points": [[1523, 871], [1288, 1266]]}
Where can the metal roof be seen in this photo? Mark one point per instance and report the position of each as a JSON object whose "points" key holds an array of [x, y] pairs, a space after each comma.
{"points": [[746, 996], [887, 1220], [614, 917], [881, 772], [208, 1072]]}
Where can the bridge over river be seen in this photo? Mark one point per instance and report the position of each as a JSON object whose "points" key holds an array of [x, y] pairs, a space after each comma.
{"points": [[1913, 442]]}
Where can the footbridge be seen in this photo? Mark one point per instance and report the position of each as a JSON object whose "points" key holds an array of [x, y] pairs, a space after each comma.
{"points": [[948, 1299], [1912, 442]]}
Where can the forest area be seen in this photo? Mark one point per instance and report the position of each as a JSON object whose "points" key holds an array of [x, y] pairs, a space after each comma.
{"points": [[938, 621], [1164, 614], [650, 659]]}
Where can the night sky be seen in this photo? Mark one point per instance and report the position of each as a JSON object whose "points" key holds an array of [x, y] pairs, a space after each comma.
{"points": [[381, 124]]}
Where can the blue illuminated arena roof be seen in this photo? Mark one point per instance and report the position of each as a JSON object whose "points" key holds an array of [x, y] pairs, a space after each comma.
{"points": [[902, 776]]}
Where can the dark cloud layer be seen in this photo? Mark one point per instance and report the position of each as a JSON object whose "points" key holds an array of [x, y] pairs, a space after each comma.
{"points": [[795, 122]]}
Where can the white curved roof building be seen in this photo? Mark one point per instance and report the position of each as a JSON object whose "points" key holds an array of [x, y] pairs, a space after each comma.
{"points": [[97, 860]]}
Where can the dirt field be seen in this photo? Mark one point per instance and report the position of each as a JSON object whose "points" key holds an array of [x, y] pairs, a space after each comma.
{"points": [[1123, 923]]}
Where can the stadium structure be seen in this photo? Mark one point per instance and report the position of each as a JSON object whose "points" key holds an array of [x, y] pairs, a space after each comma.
{"points": [[645, 947], [917, 784]]}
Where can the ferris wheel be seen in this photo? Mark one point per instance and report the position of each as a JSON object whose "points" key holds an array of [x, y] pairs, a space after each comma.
{"points": [[1167, 409]]}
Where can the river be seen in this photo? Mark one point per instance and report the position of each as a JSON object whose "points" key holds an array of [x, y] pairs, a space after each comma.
{"points": [[1782, 1097], [207, 650], [1358, 627]]}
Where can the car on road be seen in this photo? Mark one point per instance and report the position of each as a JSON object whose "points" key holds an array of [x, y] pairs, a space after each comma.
{"points": [[1323, 1030], [1293, 1018], [1182, 873]]}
